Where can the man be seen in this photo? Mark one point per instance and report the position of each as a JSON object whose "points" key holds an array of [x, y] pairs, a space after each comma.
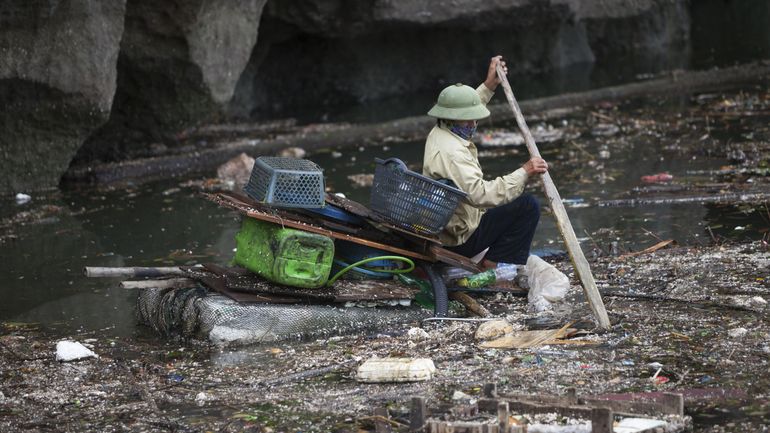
{"points": [[496, 215]]}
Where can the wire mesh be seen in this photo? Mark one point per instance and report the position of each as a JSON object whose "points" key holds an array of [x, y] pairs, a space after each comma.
{"points": [[197, 313]]}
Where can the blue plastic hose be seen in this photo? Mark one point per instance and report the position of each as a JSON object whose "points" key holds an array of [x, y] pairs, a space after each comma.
{"points": [[372, 259]]}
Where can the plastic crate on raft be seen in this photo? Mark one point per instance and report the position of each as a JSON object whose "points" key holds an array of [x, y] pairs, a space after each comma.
{"points": [[410, 200], [286, 182]]}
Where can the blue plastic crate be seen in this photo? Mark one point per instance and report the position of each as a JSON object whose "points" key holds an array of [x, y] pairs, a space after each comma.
{"points": [[286, 182], [411, 200]]}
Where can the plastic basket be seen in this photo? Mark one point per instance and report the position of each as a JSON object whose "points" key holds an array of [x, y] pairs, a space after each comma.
{"points": [[286, 182], [410, 200]]}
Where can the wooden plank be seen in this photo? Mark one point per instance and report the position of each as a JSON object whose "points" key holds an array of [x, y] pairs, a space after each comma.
{"points": [[673, 403], [568, 399], [529, 407], [601, 420], [417, 414], [667, 404], [381, 418], [526, 339], [489, 390], [219, 285], [503, 415], [349, 205], [355, 290], [241, 280], [579, 261], [451, 258]]}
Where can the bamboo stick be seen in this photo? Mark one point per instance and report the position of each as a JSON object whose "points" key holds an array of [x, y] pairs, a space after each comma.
{"points": [[131, 272], [562, 220], [470, 303], [171, 283]]}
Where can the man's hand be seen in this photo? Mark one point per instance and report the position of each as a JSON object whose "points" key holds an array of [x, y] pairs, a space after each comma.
{"points": [[492, 79], [535, 166]]}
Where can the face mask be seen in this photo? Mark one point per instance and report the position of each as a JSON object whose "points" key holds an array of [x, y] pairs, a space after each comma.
{"points": [[464, 131]]}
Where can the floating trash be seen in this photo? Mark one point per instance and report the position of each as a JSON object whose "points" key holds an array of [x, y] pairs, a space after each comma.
{"points": [[658, 178]]}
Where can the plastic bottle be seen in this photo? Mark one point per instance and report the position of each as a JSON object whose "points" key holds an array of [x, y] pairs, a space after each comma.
{"points": [[503, 272], [449, 274]]}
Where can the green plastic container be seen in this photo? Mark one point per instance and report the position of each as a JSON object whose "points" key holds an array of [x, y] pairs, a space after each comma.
{"points": [[284, 255]]}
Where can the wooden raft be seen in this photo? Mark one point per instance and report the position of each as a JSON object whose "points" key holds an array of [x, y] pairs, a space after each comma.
{"points": [[378, 235], [241, 285]]}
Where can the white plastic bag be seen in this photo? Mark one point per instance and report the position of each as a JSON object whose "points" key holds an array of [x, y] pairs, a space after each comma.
{"points": [[547, 284]]}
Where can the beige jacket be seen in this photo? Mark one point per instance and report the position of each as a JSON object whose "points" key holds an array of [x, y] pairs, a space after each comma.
{"points": [[447, 156]]}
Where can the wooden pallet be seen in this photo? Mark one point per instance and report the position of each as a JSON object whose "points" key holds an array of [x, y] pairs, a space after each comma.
{"points": [[479, 417]]}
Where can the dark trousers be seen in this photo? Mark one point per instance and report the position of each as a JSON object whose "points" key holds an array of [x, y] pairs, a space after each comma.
{"points": [[507, 230]]}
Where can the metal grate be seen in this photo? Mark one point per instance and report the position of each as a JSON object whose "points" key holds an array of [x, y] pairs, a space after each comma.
{"points": [[286, 182]]}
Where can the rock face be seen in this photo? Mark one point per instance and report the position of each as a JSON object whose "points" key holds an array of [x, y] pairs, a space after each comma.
{"points": [[375, 49], [118, 79], [57, 81], [179, 62]]}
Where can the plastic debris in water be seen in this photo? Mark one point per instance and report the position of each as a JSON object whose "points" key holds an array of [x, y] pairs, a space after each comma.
{"points": [[658, 178], [503, 272], [22, 198], [574, 202], [396, 370], [72, 351]]}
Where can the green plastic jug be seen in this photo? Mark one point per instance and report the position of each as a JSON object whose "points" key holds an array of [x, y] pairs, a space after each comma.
{"points": [[284, 255]]}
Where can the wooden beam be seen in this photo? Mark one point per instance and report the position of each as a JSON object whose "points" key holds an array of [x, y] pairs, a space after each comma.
{"points": [[560, 213], [417, 415], [601, 420]]}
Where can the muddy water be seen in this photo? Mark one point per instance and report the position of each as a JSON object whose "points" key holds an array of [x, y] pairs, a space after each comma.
{"points": [[55, 235]]}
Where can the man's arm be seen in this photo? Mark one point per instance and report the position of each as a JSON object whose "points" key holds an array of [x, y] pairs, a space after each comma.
{"points": [[493, 80], [535, 165]]}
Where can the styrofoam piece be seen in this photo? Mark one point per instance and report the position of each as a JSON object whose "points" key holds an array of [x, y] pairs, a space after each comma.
{"points": [[72, 351], [395, 370], [635, 425], [550, 428]]}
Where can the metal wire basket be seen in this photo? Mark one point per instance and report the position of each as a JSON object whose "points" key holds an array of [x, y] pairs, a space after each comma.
{"points": [[410, 200], [286, 182]]}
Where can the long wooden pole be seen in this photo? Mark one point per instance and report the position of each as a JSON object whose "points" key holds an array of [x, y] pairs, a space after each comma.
{"points": [[131, 272], [562, 220]]}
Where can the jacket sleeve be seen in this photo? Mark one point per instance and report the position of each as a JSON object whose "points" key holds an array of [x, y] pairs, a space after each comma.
{"points": [[465, 172], [484, 93]]}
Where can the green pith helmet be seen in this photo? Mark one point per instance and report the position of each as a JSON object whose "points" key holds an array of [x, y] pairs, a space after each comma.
{"points": [[459, 102]]}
